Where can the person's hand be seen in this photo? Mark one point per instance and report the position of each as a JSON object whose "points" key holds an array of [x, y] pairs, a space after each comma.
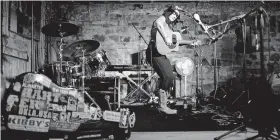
{"points": [[197, 42], [168, 41], [178, 8]]}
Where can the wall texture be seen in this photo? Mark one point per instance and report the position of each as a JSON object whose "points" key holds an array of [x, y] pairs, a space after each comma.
{"points": [[112, 25]]}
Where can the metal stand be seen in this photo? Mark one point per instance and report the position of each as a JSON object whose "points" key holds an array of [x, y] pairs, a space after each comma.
{"points": [[83, 72], [60, 57], [229, 132], [244, 65], [267, 136], [262, 133], [244, 69], [139, 85], [83, 92], [197, 66]]}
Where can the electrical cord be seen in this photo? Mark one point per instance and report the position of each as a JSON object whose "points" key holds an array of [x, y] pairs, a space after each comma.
{"points": [[224, 117]]}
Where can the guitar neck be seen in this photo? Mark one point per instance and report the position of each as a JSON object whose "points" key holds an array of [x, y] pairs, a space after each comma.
{"points": [[185, 42]]}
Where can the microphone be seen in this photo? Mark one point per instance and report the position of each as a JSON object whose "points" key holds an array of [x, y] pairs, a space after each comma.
{"points": [[204, 28], [197, 19]]}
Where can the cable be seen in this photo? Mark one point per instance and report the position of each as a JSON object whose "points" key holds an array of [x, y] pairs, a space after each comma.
{"points": [[222, 117]]}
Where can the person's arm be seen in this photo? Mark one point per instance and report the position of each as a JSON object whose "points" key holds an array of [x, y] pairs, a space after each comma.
{"points": [[159, 24]]}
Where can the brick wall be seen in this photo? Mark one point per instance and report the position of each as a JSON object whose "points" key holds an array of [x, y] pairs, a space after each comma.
{"points": [[111, 24], [17, 54]]}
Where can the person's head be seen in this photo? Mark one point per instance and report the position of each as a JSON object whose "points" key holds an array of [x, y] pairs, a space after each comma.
{"points": [[172, 14]]}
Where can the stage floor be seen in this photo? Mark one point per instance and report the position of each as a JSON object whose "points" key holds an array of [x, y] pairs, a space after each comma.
{"points": [[185, 135], [190, 135], [150, 119]]}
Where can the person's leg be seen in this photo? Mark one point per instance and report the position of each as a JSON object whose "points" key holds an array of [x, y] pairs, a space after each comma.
{"points": [[164, 69]]}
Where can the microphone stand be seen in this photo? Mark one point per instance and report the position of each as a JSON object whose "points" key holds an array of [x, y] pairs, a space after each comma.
{"points": [[242, 126], [238, 17], [261, 27], [262, 132], [265, 134]]}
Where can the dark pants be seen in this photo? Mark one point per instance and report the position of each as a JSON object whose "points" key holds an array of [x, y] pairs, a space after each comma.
{"points": [[162, 66]]}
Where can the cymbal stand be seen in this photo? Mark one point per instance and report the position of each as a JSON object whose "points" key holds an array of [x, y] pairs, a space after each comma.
{"points": [[83, 71], [83, 92], [61, 55]]}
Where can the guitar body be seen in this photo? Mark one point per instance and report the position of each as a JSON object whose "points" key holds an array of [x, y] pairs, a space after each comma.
{"points": [[162, 48]]}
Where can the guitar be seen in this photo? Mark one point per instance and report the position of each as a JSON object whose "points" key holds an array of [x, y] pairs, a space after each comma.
{"points": [[177, 40]]}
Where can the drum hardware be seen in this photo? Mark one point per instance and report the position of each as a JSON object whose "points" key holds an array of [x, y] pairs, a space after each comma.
{"points": [[91, 99], [83, 71], [76, 49], [60, 29], [75, 70], [98, 62]]}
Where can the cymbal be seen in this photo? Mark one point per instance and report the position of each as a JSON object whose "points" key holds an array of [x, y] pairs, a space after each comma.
{"points": [[60, 29], [75, 49]]}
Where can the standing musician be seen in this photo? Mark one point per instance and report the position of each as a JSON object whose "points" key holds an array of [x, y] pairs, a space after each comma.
{"points": [[159, 61]]}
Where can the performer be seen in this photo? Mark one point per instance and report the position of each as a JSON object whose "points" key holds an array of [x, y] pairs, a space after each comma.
{"points": [[158, 61]]}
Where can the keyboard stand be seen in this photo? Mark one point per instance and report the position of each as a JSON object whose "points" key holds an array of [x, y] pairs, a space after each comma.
{"points": [[139, 86]]}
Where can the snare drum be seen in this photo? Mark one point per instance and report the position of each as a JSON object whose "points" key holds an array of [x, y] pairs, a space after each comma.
{"points": [[53, 72]]}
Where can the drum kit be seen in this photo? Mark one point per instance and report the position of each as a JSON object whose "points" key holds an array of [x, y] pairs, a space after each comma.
{"points": [[77, 60]]}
